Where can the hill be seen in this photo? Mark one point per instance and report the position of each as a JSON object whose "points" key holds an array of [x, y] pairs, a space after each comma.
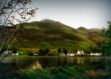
{"points": [[53, 34]]}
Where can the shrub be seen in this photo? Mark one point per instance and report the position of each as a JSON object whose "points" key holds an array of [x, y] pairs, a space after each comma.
{"points": [[25, 52]]}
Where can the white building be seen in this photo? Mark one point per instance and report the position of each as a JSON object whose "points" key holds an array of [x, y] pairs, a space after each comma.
{"points": [[61, 54], [70, 54], [95, 54], [80, 52]]}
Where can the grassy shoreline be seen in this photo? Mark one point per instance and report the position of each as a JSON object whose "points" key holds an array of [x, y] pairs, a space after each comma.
{"points": [[51, 56]]}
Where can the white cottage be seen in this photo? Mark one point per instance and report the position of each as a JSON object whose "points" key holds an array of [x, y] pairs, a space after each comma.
{"points": [[70, 54], [80, 52], [95, 54]]}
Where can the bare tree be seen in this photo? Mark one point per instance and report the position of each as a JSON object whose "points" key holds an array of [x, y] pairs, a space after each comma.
{"points": [[12, 13]]}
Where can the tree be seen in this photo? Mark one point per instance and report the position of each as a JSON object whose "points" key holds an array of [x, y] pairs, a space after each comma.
{"points": [[74, 50], [65, 51], [106, 45], [108, 31], [59, 51], [44, 52], [13, 12], [14, 50], [106, 48], [30, 53], [41, 52]]}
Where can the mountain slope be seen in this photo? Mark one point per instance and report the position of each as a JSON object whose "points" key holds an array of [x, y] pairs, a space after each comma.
{"points": [[52, 34]]}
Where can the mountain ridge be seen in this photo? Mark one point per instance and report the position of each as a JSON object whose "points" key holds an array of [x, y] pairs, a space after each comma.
{"points": [[53, 34]]}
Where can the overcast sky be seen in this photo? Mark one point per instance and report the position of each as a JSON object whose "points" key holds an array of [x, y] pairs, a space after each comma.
{"points": [[75, 13]]}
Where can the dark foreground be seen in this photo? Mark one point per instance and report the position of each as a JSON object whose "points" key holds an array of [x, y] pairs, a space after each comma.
{"points": [[55, 68]]}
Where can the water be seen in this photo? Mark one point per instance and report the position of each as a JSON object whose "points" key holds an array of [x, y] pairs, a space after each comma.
{"points": [[93, 67]]}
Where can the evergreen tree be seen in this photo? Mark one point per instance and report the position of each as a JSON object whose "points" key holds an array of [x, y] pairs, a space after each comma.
{"points": [[106, 46], [59, 51], [65, 51]]}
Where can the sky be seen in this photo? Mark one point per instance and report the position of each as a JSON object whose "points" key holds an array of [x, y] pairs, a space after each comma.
{"points": [[75, 13]]}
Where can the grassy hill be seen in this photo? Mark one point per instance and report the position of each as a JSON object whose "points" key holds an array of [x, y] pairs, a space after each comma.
{"points": [[53, 34]]}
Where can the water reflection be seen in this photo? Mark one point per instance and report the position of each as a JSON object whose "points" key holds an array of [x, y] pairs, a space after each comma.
{"points": [[35, 65], [80, 60], [53, 61], [92, 66]]}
